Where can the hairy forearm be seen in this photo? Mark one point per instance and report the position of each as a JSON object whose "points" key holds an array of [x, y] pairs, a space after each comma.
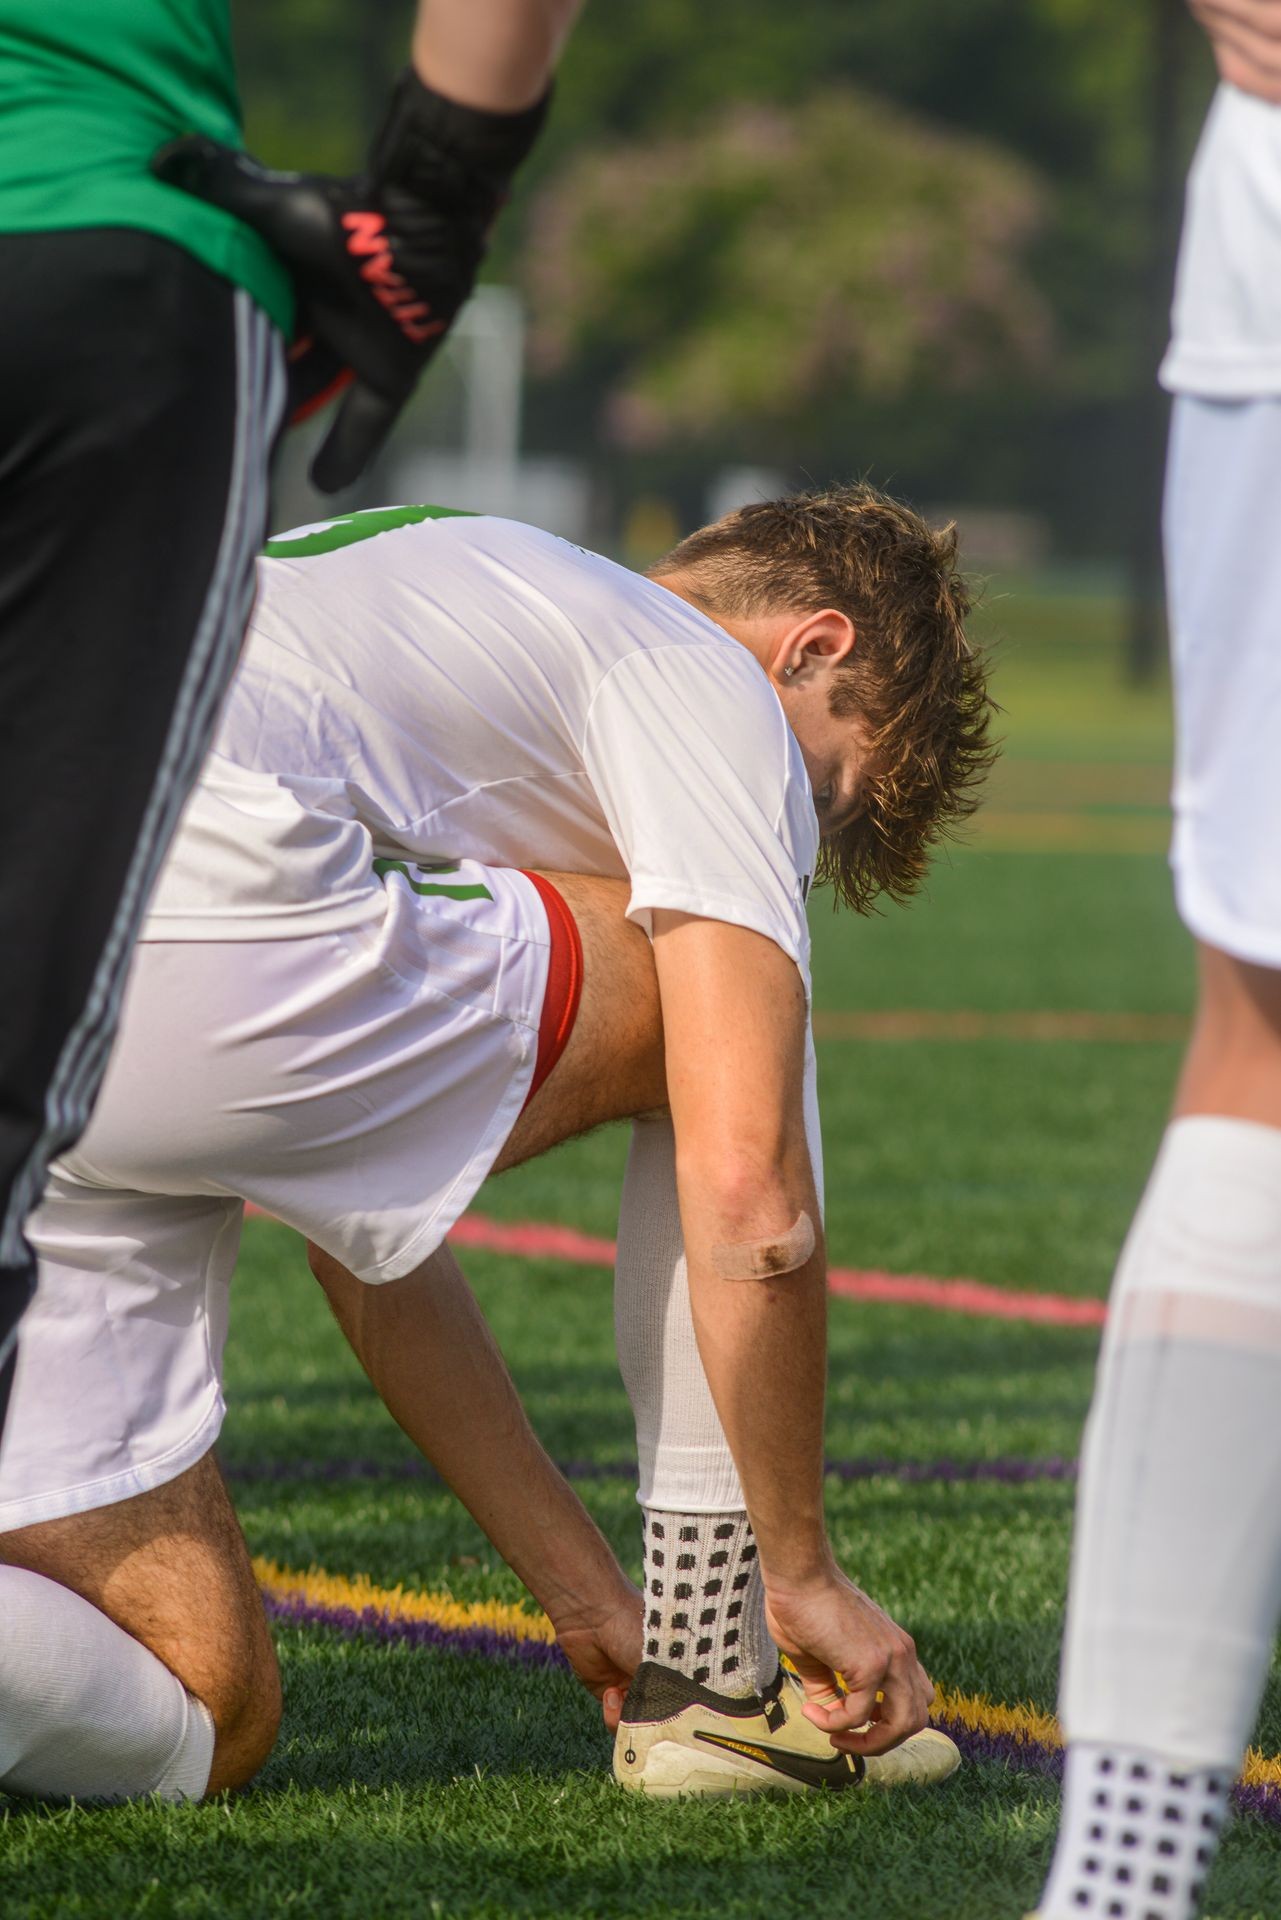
{"points": [[498, 55], [763, 1343], [736, 1023], [428, 1350]]}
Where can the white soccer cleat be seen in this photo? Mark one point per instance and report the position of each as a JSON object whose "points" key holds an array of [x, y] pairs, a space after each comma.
{"points": [[677, 1737]]}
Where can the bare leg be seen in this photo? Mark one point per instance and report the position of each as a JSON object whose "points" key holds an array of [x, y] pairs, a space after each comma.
{"points": [[170, 1567], [1233, 1064]]}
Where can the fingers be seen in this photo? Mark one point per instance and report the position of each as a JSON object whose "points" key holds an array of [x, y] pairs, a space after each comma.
{"points": [[183, 163], [1246, 35], [839, 1712], [864, 1686], [226, 178], [1240, 70], [611, 1706], [894, 1723], [363, 422], [1260, 18], [873, 1718], [316, 378]]}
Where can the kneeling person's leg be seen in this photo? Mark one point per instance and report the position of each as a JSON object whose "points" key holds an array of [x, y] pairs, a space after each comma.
{"points": [[136, 1656]]}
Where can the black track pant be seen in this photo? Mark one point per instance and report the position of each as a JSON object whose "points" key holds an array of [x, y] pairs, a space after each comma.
{"points": [[139, 400]]}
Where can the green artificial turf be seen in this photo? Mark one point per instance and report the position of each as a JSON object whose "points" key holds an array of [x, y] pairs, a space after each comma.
{"points": [[408, 1783]]}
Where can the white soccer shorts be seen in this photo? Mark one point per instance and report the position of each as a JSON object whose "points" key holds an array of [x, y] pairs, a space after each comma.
{"points": [[1223, 567], [358, 1088]]}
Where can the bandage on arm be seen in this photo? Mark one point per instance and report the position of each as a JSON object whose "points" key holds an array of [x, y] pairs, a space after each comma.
{"points": [[736, 1035], [767, 1258]]}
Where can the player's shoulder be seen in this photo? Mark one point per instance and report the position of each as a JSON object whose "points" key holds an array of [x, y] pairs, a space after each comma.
{"points": [[594, 614], [625, 623], [588, 578]]}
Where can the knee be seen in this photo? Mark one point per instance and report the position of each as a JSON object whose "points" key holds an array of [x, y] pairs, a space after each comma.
{"points": [[1234, 1059], [1238, 1007], [1238, 997], [246, 1717]]}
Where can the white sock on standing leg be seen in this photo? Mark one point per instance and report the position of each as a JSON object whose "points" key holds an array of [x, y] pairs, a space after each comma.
{"points": [[1136, 1837], [86, 1712], [1176, 1573]]}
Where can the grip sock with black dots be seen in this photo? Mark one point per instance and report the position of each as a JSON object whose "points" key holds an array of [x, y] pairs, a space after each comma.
{"points": [[1137, 1838], [705, 1601]]}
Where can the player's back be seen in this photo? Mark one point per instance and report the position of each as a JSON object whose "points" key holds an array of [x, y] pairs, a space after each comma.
{"points": [[462, 686]]}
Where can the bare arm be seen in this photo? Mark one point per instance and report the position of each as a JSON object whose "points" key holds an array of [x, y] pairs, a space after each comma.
{"points": [[428, 1350], [734, 1017], [494, 54], [1246, 37]]}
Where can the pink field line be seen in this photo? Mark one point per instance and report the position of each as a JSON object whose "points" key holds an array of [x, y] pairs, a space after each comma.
{"points": [[538, 1240]]}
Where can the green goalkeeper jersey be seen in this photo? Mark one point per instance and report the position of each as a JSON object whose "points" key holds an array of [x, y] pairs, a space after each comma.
{"points": [[88, 90]]}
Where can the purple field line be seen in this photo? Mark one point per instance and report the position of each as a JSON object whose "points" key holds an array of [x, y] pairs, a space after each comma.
{"points": [[1010, 1471]]}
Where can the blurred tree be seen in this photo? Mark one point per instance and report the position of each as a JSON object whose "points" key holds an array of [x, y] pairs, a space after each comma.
{"points": [[1084, 100], [713, 286]]}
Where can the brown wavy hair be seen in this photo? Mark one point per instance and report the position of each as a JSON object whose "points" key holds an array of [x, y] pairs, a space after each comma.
{"points": [[914, 680]]}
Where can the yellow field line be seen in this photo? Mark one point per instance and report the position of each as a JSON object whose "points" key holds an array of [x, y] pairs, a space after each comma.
{"points": [[315, 1588], [981, 1715], [1033, 1724]]}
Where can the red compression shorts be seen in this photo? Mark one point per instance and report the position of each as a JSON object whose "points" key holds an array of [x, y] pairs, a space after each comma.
{"points": [[564, 982]]}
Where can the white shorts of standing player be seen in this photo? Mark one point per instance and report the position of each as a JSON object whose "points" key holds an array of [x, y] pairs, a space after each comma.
{"points": [[1223, 563]]}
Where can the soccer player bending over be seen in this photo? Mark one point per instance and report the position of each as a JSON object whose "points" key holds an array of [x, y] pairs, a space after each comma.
{"points": [[498, 841]]}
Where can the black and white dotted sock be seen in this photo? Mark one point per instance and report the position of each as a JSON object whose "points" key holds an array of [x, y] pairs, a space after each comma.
{"points": [[705, 1600], [1137, 1838]]}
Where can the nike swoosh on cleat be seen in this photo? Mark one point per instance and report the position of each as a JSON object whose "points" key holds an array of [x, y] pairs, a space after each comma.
{"points": [[842, 1770]]}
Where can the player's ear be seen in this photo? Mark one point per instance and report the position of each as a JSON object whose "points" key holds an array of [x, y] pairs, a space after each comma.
{"points": [[815, 641]]}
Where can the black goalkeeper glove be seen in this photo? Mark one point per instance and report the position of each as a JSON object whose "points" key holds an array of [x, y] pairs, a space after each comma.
{"points": [[382, 262]]}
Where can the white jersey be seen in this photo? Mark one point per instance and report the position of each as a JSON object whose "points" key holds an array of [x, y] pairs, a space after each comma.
{"points": [[1227, 300], [463, 687]]}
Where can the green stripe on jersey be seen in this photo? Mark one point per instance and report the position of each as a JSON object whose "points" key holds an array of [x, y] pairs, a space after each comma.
{"points": [[465, 892], [350, 527]]}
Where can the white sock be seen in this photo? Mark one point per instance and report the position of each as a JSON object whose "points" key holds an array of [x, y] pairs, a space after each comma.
{"points": [[685, 1462], [86, 1712], [689, 1484], [1136, 1838], [1176, 1566]]}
